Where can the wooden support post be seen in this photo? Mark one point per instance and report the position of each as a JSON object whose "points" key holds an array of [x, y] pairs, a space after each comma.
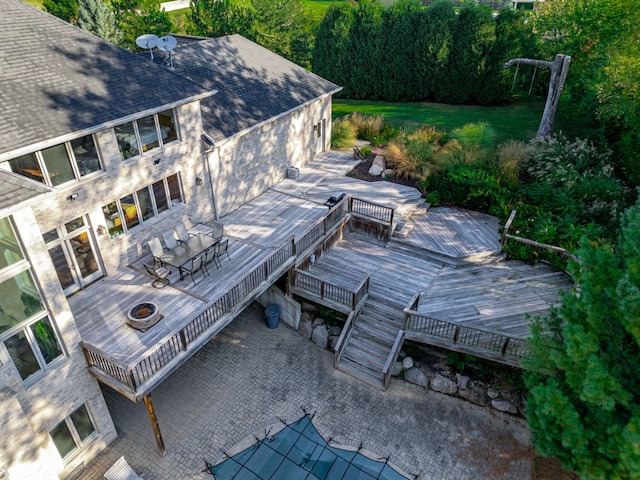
{"points": [[559, 69], [154, 423]]}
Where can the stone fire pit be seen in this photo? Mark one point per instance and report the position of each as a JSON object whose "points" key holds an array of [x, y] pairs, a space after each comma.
{"points": [[143, 316]]}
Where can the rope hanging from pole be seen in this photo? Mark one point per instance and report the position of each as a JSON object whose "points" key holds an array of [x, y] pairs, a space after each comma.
{"points": [[532, 79], [515, 77]]}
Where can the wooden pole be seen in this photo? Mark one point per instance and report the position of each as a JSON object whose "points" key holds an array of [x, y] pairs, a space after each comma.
{"points": [[154, 423], [559, 69]]}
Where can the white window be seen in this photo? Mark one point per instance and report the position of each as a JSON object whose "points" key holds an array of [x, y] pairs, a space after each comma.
{"points": [[136, 208], [72, 432], [26, 330], [147, 133], [60, 164]]}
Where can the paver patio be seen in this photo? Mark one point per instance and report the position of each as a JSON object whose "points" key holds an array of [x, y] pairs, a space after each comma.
{"points": [[249, 377]]}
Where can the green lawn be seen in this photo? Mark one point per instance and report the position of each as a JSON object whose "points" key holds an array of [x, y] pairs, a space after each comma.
{"points": [[518, 121]]}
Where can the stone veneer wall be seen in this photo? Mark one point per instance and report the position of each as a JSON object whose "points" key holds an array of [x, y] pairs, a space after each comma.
{"points": [[245, 166], [30, 410]]}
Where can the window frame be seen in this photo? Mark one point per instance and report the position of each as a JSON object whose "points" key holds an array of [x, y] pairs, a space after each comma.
{"points": [[73, 430], [158, 131], [71, 156], [123, 228], [24, 326]]}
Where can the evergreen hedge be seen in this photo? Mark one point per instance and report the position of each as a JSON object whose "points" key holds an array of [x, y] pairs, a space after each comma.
{"points": [[409, 53]]}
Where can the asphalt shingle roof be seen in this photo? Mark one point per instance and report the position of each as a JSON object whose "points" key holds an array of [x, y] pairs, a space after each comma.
{"points": [[56, 79], [253, 83], [17, 191]]}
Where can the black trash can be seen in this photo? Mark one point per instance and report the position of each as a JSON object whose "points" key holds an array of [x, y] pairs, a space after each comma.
{"points": [[272, 313]]}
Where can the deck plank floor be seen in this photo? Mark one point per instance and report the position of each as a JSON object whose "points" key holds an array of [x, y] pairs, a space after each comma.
{"points": [[473, 294], [455, 232]]}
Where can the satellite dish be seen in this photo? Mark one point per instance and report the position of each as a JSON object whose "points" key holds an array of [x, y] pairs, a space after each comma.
{"points": [[167, 44], [149, 41]]}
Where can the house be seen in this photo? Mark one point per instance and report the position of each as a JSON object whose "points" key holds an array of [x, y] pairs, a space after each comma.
{"points": [[101, 150]]}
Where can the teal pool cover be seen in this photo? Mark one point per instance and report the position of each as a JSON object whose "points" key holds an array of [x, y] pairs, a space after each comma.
{"points": [[299, 452]]}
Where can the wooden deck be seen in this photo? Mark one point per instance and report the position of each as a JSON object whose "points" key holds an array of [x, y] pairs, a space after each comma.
{"points": [[455, 232], [496, 297], [266, 238]]}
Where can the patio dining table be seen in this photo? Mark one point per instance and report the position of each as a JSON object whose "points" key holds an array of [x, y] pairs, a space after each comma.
{"points": [[186, 251]]}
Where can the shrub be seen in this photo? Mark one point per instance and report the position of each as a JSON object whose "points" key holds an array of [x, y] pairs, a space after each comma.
{"points": [[471, 186], [511, 155], [414, 155], [475, 135], [574, 179], [367, 126], [366, 150], [405, 164], [343, 134]]}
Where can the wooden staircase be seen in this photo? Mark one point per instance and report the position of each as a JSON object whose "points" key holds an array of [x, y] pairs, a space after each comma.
{"points": [[371, 341]]}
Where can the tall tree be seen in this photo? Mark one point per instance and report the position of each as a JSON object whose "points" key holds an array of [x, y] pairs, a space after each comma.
{"points": [[474, 37], [398, 33], [365, 48], [332, 52], [277, 22], [96, 17], [216, 18], [601, 36], [433, 46], [67, 10], [585, 408], [138, 17]]}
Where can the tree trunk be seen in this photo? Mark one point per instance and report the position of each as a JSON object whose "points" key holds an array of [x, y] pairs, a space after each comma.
{"points": [[559, 69]]}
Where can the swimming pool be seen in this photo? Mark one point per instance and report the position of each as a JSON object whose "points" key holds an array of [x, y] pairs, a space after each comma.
{"points": [[299, 452]]}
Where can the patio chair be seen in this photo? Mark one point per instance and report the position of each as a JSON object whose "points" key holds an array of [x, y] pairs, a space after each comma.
{"points": [[181, 230], [217, 229], [211, 253], [159, 275], [196, 264], [121, 470], [156, 250], [223, 247], [170, 240]]}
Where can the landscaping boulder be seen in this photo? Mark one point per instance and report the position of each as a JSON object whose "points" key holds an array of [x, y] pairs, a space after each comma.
{"points": [[463, 382], [444, 385], [318, 321], [308, 307], [333, 339], [305, 328], [396, 369], [417, 376], [407, 363], [387, 173], [335, 330], [375, 170], [504, 406], [475, 394], [492, 393], [320, 336]]}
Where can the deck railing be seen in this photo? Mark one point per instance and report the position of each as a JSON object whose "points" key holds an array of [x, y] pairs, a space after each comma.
{"points": [[393, 354], [324, 290], [455, 333], [322, 226], [372, 210], [343, 340], [506, 236], [130, 378], [135, 375]]}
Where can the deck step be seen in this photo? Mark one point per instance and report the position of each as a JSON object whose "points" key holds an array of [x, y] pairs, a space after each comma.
{"points": [[365, 374], [377, 328], [399, 245], [370, 343]]}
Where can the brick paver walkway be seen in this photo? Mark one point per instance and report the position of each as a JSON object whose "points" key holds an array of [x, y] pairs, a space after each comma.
{"points": [[249, 376]]}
